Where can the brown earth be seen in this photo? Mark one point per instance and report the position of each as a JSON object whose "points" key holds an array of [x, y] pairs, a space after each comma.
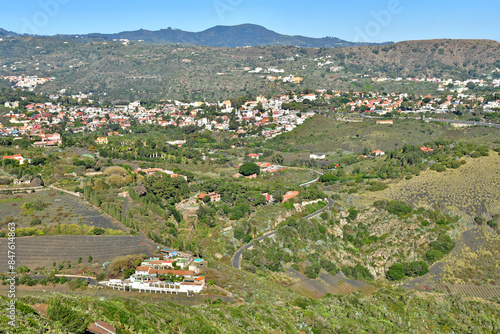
{"points": [[42, 251]]}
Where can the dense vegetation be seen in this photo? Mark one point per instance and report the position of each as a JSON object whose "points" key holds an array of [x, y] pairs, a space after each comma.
{"points": [[382, 312], [151, 72]]}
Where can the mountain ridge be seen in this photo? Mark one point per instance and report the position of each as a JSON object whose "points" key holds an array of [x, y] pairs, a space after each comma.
{"points": [[7, 33], [218, 36]]}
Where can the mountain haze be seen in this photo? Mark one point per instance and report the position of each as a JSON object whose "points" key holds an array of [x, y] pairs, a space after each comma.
{"points": [[6, 33], [222, 36]]}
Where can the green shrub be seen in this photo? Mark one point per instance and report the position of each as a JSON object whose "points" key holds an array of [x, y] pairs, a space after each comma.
{"points": [[98, 231], [25, 308], [476, 154], [479, 220], [492, 223], [377, 186], [353, 214], [416, 268], [237, 214], [301, 302], [396, 272], [357, 272], [238, 232], [249, 168], [434, 255], [443, 243], [398, 208], [329, 266], [70, 319], [328, 178], [35, 222], [312, 271], [484, 150]]}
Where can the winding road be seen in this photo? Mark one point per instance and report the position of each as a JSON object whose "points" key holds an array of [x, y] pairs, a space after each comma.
{"points": [[305, 184], [236, 260]]}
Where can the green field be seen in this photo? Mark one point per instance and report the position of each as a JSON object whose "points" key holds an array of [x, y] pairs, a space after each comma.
{"points": [[326, 135]]}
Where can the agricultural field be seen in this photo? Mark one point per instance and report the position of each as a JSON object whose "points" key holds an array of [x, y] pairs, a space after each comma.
{"points": [[319, 287], [484, 292], [43, 251], [56, 208], [472, 190]]}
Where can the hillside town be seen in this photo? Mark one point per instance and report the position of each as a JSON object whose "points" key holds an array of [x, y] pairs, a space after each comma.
{"points": [[267, 117]]}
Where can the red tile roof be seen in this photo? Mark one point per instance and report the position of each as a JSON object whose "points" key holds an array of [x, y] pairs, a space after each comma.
{"points": [[101, 327]]}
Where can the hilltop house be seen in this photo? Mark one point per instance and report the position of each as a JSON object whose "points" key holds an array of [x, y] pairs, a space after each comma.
{"points": [[253, 155], [214, 197], [385, 121], [49, 140], [426, 149], [101, 327], [289, 195], [378, 153], [317, 156], [17, 157], [101, 140]]}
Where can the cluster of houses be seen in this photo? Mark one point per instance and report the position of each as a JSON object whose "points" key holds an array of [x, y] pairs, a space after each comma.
{"points": [[266, 113], [174, 113], [54, 139], [27, 82], [382, 104], [173, 272]]}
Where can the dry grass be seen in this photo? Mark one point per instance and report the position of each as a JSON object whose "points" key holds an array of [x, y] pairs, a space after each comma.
{"points": [[475, 258], [473, 189], [473, 262]]}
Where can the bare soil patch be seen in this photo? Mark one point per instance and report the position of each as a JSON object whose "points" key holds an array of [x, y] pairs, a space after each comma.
{"points": [[42, 251]]}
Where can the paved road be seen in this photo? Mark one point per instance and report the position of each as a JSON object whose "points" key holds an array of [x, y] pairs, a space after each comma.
{"points": [[309, 182], [236, 260], [305, 184], [314, 214]]}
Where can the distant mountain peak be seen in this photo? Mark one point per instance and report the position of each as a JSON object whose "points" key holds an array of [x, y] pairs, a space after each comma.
{"points": [[246, 34], [7, 33]]}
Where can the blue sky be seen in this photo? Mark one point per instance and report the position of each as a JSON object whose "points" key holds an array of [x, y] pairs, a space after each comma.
{"points": [[355, 20]]}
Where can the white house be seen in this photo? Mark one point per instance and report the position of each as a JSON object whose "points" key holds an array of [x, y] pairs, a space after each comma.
{"points": [[317, 156]]}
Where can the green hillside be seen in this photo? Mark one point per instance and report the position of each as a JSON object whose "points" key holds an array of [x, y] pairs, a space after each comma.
{"points": [[328, 135], [141, 71], [382, 312]]}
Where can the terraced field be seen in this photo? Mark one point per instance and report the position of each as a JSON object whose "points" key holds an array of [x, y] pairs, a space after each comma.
{"points": [[473, 189], [471, 290], [43, 251], [61, 209], [326, 283]]}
